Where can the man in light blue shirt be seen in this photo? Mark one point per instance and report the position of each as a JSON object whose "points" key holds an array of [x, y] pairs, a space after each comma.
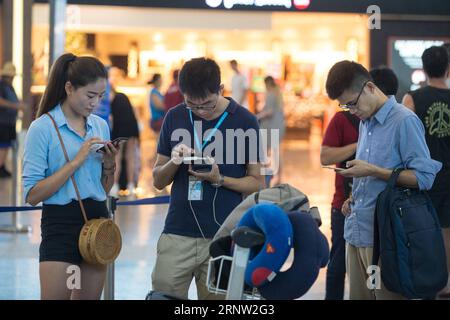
{"points": [[390, 136]]}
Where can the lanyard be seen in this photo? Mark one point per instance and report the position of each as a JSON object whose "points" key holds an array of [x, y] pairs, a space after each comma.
{"points": [[211, 134]]}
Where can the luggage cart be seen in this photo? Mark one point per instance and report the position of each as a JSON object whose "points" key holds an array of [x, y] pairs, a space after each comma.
{"points": [[244, 239]]}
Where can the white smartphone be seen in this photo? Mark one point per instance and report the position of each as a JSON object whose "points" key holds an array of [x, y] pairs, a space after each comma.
{"points": [[333, 168], [192, 159]]}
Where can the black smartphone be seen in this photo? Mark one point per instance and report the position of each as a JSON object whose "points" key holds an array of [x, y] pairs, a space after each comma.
{"points": [[115, 143], [203, 167]]}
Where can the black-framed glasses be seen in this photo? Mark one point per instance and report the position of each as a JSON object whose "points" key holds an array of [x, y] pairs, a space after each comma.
{"points": [[352, 105], [205, 106]]}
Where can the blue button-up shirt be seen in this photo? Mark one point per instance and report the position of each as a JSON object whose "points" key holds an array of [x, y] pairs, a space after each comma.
{"points": [[393, 138], [43, 157]]}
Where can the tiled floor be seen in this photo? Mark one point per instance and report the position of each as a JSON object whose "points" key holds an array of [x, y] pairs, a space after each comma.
{"points": [[141, 227]]}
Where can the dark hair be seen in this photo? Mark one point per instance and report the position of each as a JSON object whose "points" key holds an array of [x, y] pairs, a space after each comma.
{"points": [[199, 77], [345, 75], [233, 62], [79, 71], [385, 79], [447, 46], [435, 61], [270, 80], [175, 75], [155, 78]]}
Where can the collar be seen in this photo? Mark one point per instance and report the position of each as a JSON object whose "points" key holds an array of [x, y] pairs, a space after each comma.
{"points": [[232, 106], [60, 118], [382, 114]]}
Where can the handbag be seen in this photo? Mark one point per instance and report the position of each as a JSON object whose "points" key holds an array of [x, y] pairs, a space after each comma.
{"points": [[100, 240]]}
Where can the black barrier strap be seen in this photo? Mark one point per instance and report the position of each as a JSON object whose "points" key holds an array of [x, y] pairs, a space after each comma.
{"points": [[15, 209], [155, 200], [147, 201]]}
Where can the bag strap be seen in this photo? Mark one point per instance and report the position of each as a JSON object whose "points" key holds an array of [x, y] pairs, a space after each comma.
{"points": [[83, 211], [393, 178], [376, 230]]}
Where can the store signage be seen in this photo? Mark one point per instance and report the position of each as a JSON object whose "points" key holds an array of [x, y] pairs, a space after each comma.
{"points": [[288, 4]]}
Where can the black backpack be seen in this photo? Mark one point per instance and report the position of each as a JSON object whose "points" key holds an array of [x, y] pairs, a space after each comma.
{"points": [[409, 242]]}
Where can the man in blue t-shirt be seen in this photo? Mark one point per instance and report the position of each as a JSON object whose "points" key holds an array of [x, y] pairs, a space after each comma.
{"points": [[201, 201], [9, 106], [103, 110]]}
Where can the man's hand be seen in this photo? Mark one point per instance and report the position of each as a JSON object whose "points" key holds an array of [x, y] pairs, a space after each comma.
{"points": [[212, 176], [358, 169], [179, 152], [346, 209]]}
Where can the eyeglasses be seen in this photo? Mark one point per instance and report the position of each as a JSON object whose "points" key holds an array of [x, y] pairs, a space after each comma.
{"points": [[352, 105], [205, 106]]}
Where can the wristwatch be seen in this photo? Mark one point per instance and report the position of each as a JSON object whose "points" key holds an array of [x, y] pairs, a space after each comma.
{"points": [[220, 183]]}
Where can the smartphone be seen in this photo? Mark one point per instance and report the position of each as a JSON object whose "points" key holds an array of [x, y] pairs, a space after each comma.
{"points": [[115, 143], [189, 160], [333, 168]]}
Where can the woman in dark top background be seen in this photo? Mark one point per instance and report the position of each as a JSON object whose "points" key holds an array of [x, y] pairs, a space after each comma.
{"points": [[124, 125]]}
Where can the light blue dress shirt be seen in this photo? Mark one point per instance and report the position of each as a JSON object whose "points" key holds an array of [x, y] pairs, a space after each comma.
{"points": [[393, 138], [43, 157]]}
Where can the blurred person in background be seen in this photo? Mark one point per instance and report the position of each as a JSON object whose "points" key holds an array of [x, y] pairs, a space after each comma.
{"points": [[431, 104], [386, 80], [239, 85], [103, 110], [156, 101], [447, 47], [124, 124], [272, 118], [9, 106], [173, 96]]}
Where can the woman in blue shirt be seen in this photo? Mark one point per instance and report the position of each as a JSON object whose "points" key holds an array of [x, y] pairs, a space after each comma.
{"points": [[75, 87], [156, 103]]}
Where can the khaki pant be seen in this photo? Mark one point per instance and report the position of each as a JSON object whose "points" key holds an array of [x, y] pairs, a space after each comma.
{"points": [[357, 262], [179, 260]]}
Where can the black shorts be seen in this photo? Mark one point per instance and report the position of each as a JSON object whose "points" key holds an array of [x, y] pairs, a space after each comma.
{"points": [[7, 134], [441, 202], [61, 226]]}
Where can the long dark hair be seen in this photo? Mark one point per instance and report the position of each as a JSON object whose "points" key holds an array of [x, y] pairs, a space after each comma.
{"points": [[79, 71], [154, 79]]}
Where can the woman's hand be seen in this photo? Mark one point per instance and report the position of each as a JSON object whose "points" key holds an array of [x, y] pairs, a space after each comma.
{"points": [[84, 151], [109, 156]]}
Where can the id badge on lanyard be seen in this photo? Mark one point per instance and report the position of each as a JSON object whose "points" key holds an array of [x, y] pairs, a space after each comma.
{"points": [[195, 189]]}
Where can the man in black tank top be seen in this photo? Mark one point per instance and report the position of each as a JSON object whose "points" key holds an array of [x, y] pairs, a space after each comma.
{"points": [[432, 106]]}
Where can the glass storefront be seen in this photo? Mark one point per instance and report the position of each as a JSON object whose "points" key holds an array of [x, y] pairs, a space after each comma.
{"points": [[297, 49]]}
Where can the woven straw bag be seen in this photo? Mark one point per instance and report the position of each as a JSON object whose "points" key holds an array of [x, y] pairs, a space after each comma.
{"points": [[100, 240]]}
